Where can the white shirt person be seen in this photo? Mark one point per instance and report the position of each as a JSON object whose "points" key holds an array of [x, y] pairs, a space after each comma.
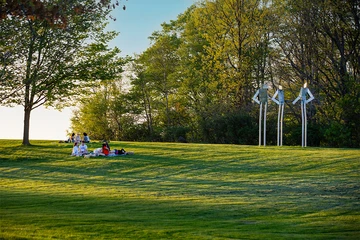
{"points": [[83, 148], [75, 150]]}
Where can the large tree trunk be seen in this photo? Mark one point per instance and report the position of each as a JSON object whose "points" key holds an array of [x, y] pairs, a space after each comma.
{"points": [[27, 111], [27, 81]]}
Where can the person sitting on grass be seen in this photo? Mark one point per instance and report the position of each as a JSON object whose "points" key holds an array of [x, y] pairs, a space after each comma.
{"points": [[107, 144], [105, 148], [103, 151], [86, 138], [83, 149], [78, 138], [75, 150], [72, 138]]}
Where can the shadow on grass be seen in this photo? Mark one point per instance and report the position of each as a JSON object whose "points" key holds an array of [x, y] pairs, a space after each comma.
{"points": [[93, 212]]}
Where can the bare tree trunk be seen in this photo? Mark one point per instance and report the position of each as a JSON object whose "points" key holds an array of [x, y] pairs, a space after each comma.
{"points": [[27, 111]]}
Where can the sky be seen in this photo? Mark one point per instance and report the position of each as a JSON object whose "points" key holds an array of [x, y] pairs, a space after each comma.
{"points": [[140, 19]]}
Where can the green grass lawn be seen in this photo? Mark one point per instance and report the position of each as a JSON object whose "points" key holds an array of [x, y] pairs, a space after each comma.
{"points": [[179, 191]]}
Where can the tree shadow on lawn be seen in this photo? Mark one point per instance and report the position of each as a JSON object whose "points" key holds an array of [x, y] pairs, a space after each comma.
{"points": [[169, 176], [102, 214], [33, 153], [131, 216]]}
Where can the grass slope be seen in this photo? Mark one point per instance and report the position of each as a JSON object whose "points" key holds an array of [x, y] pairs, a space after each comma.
{"points": [[179, 191]]}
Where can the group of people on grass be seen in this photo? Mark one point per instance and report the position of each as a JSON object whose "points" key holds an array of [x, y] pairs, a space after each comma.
{"points": [[79, 149], [82, 150], [77, 139]]}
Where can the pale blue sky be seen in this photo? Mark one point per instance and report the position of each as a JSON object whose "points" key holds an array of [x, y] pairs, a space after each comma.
{"points": [[140, 19]]}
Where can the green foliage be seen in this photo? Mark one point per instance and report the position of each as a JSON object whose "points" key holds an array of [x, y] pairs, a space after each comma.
{"points": [[105, 112], [178, 191], [139, 132], [235, 128], [315, 134], [199, 74], [175, 134], [49, 65], [337, 135], [318, 40], [92, 118]]}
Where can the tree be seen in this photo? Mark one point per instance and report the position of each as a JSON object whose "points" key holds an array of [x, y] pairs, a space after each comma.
{"points": [[237, 33], [92, 117], [106, 111], [55, 12], [161, 61], [142, 94], [211, 60], [48, 64], [320, 41], [196, 92]]}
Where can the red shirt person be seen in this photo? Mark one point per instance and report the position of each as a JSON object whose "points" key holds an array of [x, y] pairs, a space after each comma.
{"points": [[105, 149]]}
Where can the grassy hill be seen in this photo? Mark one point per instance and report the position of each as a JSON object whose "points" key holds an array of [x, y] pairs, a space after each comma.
{"points": [[179, 191]]}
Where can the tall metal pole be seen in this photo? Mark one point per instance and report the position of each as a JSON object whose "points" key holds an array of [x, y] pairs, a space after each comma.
{"points": [[260, 117], [281, 124], [265, 124], [305, 117], [302, 125], [278, 126]]}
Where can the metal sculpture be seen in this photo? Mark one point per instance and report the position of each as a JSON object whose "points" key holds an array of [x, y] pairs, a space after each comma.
{"points": [[261, 98], [302, 95], [280, 101]]}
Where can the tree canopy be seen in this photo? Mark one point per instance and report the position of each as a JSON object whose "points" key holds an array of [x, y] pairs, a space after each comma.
{"points": [[196, 80], [46, 65]]}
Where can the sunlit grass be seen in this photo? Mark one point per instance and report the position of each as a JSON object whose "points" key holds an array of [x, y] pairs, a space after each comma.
{"points": [[179, 191]]}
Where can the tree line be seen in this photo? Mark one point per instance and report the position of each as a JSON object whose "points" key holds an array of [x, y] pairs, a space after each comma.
{"points": [[196, 81]]}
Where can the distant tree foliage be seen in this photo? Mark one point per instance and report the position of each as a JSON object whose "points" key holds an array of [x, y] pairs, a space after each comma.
{"points": [[195, 82], [106, 112]]}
